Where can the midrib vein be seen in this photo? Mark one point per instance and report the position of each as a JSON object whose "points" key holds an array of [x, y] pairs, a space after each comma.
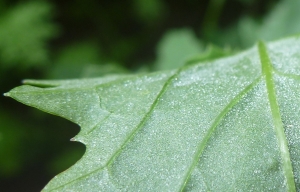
{"points": [[133, 133], [213, 127], [267, 70]]}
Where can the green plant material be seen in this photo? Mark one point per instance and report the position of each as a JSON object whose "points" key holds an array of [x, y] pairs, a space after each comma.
{"points": [[212, 52], [12, 138], [230, 124], [23, 35], [212, 15], [149, 11], [175, 47], [65, 159], [2, 6], [283, 20], [73, 59], [93, 70], [81, 60], [247, 2]]}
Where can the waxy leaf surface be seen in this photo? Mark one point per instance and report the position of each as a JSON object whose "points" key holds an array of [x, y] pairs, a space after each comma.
{"points": [[230, 124]]}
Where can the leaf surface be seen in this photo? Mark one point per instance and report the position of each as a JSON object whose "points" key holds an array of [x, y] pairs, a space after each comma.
{"points": [[230, 124]]}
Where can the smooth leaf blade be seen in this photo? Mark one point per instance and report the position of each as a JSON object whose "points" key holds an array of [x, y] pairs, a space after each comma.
{"points": [[224, 125]]}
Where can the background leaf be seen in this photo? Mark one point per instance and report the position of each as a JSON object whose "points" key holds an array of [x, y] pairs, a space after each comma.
{"points": [[282, 21], [32, 21], [223, 125], [176, 47]]}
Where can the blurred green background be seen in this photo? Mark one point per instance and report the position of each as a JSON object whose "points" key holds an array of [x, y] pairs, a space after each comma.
{"points": [[81, 39]]}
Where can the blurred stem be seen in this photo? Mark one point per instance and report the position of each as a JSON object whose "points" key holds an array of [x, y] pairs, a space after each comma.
{"points": [[211, 17]]}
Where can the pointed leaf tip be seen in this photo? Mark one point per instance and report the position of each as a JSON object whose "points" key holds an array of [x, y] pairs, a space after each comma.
{"points": [[6, 94], [177, 130]]}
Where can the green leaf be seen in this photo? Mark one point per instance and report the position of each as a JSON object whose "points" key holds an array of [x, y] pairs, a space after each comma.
{"points": [[281, 21], [84, 58], [230, 124], [23, 35], [75, 57], [212, 52], [175, 48]]}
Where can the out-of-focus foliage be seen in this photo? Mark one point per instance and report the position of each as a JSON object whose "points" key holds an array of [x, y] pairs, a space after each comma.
{"points": [[85, 60], [74, 39], [74, 57], [150, 11], [175, 48], [12, 134], [64, 159], [24, 32], [283, 20]]}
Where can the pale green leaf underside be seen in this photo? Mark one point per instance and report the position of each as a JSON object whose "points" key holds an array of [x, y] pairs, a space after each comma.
{"points": [[226, 125]]}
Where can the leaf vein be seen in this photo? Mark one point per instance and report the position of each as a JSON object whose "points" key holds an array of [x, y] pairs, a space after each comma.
{"points": [[288, 75], [268, 70], [213, 127], [131, 135]]}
